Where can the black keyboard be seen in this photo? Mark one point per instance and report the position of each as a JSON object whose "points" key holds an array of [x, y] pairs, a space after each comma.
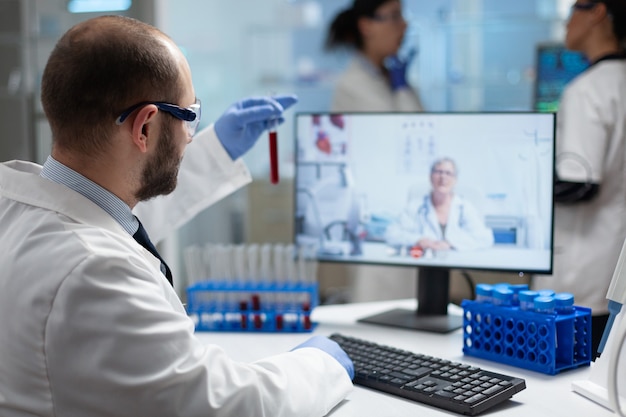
{"points": [[453, 386]]}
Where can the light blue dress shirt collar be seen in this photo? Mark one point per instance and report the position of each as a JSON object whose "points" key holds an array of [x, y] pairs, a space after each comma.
{"points": [[55, 171]]}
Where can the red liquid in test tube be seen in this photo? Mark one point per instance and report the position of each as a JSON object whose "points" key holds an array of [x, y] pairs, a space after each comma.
{"points": [[256, 302], [258, 323], [273, 156]]}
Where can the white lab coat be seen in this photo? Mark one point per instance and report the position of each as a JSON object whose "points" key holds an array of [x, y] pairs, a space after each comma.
{"points": [[465, 229], [363, 88], [591, 146], [91, 327]]}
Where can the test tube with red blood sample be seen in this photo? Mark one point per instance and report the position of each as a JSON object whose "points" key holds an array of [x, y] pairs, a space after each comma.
{"points": [[273, 141]]}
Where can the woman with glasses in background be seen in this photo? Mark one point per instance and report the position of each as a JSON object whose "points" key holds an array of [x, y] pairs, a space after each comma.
{"points": [[376, 78], [590, 191]]}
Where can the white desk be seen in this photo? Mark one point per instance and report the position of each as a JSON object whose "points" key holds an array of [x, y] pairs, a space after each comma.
{"points": [[545, 395]]}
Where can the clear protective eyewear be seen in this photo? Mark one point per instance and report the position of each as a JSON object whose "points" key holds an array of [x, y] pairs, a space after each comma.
{"points": [[393, 17], [443, 172], [190, 115]]}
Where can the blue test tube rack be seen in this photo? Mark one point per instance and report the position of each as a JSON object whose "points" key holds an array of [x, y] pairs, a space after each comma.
{"points": [[252, 306], [544, 342]]}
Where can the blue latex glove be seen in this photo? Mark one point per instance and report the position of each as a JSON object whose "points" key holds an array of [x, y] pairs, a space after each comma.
{"points": [[397, 69], [242, 123], [332, 348]]}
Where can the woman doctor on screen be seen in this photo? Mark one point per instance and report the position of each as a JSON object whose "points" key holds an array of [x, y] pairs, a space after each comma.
{"points": [[590, 225], [376, 78], [441, 220]]}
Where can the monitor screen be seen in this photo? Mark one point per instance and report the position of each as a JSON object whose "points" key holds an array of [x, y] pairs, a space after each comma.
{"points": [[435, 191], [555, 67]]}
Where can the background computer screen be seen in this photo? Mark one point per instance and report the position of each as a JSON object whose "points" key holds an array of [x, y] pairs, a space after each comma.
{"points": [[555, 67], [364, 183]]}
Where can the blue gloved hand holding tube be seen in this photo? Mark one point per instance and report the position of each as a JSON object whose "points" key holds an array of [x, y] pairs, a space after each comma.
{"points": [[332, 348], [397, 69], [241, 125]]}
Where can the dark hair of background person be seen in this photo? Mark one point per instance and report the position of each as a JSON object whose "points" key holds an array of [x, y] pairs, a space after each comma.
{"points": [[96, 71], [344, 29], [617, 10]]}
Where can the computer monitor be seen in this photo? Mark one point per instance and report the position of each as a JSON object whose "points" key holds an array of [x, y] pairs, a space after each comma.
{"points": [[365, 185], [555, 67]]}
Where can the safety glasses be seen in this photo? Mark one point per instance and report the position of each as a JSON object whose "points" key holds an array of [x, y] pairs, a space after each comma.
{"points": [[393, 17], [190, 115]]}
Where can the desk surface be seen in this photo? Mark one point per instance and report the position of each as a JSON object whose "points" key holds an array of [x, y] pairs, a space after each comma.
{"points": [[545, 395]]}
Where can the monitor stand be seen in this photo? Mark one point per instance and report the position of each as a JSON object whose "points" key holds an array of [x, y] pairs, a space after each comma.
{"points": [[433, 296]]}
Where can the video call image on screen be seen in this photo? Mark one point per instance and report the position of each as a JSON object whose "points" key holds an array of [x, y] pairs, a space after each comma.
{"points": [[365, 185]]}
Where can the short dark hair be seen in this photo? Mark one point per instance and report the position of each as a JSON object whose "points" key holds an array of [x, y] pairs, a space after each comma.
{"points": [[99, 68], [344, 29]]}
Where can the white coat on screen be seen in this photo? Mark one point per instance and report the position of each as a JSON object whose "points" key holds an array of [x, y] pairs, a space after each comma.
{"points": [[465, 229]]}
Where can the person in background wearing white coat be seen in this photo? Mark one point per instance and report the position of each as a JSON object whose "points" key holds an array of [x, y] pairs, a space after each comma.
{"points": [[441, 220], [91, 326], [375, 80], [590, 192]]}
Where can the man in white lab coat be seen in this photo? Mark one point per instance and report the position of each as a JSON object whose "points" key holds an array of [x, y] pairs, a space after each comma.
{"points": [[91, 326]]}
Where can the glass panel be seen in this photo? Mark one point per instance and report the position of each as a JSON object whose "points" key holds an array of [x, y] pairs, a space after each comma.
{"points": [[91, 6]]}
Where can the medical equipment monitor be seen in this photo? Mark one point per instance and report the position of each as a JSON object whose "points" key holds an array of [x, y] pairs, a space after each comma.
{"points": [[432, 191], [555, 68]]}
